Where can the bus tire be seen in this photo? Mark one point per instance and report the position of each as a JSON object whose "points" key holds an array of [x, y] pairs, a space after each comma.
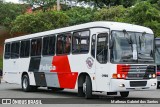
{"points": [[158, 85], [124, 94], [80, 92], [26, 84], [87, 87]]}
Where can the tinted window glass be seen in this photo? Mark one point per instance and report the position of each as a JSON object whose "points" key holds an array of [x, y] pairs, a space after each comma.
{"points": [[49, 45], [36, 45], [93, 45], [15, 49], [7, 51], [80, 42], [25, 47], [102, 48], [63, 43]]}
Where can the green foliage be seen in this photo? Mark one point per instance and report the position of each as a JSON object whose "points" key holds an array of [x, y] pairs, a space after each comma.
{"points": [[40, 21], [80, 15], [145, 14], [9, 11], [110, 14], [108, 3], [44, 4]]}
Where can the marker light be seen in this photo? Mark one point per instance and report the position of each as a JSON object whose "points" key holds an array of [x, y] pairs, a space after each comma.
{"points": [[150, 75]]}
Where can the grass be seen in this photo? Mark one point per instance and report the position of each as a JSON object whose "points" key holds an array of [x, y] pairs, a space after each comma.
{"points": [[1, 62]]}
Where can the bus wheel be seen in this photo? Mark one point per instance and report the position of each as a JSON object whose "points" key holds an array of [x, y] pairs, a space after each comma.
{"points": [[158, 85], [87, 87], [124, 94], [26, 85]]}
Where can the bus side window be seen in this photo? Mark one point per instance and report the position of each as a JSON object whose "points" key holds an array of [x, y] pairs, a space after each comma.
{"points": [[49, 45], [63, 43], [25, 47], [80, 42], [36, 45], [102, 48], [7, 54], [59, 44], [15, 46], [93, 45]]}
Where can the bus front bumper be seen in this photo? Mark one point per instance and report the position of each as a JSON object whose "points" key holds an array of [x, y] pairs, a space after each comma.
{"points": [[118, 85]]}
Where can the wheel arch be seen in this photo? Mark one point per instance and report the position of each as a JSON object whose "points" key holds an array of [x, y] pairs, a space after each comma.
{"points": [[24, 73]]}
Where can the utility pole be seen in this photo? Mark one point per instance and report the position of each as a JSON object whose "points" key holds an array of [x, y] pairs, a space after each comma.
{"points": [[58, 5]]}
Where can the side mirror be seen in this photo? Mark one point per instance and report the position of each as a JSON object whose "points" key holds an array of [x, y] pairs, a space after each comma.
{"points": [[128, 37]]}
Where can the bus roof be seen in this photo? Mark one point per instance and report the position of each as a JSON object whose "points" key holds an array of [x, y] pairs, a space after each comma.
{"points": [[106, 24], [158, 38]]}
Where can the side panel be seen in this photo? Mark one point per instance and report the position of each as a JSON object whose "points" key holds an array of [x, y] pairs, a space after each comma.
{"points": [[13, 69]]}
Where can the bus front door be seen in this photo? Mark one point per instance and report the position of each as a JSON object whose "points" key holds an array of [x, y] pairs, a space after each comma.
{"points": [[102, 80]]}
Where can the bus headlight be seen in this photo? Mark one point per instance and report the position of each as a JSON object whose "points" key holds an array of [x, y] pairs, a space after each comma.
{"points": [[118, 75], [123, 76], [150, 75], [154, 75]]}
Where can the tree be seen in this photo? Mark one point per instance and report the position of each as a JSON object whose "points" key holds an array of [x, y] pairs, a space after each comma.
{"points": [[44, 4], [80, 15], [9, 12], [115, 13], [40, 21], [108, 3], [145, 14]]}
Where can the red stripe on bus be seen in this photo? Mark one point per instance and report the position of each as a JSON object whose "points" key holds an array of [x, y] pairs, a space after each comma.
{"points": [[67, 79], [158, 73], [123, 69]]}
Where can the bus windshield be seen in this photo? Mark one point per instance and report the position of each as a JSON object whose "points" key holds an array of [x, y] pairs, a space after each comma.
{"points": [[132, 47]]}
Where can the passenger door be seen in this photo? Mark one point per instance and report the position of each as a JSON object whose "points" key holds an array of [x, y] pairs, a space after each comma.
{"points": [[102, 68]]}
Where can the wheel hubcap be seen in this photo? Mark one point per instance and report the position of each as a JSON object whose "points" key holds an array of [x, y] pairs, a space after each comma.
{"points": [[84, 87], [25, 83]]}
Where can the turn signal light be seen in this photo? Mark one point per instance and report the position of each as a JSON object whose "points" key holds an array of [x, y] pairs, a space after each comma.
{"points": [[118, 76], [114, 76]]}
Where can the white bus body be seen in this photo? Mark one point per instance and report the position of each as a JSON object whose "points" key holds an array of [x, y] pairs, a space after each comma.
{"points": [[96, 56]]}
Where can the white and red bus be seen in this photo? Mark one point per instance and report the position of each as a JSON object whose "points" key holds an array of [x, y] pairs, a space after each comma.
{"points": [[93, 57]]}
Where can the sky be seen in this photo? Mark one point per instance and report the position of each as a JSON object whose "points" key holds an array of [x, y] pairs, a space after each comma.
{"points": [[14, 1]]}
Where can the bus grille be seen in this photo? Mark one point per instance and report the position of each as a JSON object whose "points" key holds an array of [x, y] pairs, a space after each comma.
{"points": [[139, 71], [138, 83]]}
